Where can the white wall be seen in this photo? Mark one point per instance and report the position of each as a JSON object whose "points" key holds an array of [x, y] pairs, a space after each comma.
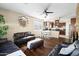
{"points": [[11, 19]]}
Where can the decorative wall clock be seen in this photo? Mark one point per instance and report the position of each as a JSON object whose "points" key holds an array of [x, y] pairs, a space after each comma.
{"points": [[23, 21]]}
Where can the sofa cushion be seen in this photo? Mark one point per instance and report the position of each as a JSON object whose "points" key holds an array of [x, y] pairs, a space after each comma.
{"points": [[27, 33], [28, 37], [18, 35]]}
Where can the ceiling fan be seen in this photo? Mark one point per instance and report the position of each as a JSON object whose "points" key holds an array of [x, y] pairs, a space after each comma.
{"points": [[46, 12]]}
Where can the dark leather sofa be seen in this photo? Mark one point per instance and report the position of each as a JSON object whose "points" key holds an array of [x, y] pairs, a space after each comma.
{"points": [[18, 38]]}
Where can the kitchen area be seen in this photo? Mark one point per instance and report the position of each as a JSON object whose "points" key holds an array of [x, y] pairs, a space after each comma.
{"points": [[54, 29]]}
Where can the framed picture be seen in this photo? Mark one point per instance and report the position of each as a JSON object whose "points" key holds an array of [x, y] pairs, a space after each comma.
{"points": [[56, 22]]}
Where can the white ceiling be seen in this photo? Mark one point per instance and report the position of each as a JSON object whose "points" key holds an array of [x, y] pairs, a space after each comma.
{"points": [[36, 9]]}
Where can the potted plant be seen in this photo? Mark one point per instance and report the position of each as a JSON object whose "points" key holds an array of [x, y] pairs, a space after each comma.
{"points": [[3, 27]]}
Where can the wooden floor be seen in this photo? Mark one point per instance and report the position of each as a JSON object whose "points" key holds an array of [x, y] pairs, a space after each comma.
{"points": [[49, 44]]}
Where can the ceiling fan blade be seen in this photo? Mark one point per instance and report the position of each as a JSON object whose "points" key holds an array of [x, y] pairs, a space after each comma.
{"points": [[47, 7], [46, 10], [49, 12]]}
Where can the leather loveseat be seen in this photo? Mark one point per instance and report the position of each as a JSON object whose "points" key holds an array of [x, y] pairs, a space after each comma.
{"points": [[22, 38]]}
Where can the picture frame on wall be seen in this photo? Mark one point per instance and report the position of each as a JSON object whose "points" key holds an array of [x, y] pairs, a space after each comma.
{"points": [[56, 22]]}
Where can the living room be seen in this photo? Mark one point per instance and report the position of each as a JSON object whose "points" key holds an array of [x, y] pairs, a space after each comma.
{"points": [[47, 24]]}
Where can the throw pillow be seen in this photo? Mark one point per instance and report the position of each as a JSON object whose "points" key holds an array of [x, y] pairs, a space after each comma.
{"points": [[68, 50]]}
